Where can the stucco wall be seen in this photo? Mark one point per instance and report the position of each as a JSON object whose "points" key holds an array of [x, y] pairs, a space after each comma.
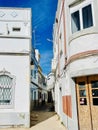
{"points": [[15, 49]]}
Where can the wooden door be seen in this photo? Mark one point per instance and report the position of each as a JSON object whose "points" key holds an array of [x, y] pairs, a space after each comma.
{"points": [[87, 100], [83, 102], [93, 89]]}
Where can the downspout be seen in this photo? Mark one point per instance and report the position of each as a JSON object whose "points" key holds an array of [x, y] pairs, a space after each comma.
{"points": [[64, 25]]}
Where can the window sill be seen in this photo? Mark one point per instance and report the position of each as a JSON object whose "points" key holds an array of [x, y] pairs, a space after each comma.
{"points": [[87, 31]]}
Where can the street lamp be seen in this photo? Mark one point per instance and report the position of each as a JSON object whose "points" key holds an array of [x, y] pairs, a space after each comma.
{"points": [[49, 40], [35, 37]]}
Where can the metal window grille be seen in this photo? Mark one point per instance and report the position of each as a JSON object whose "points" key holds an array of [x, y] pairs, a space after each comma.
{"points": [[6, 89]]}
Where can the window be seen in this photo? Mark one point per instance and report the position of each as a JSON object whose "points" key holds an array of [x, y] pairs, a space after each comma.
{"points": [[87, 16], [82, 93], [31, 72], [75, 21], [35, 74], [48, 79], [82, 18], [17, 29], [94, 89], [6, 89], [35, 95]]}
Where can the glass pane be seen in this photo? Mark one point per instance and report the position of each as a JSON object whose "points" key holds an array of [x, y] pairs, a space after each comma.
{"points": [[34, 95], [5, 90], [75, 21], [83, 101], [82, 93], [87, 16], [94, 84], [95, 92], [81, 85], [95, 101]]}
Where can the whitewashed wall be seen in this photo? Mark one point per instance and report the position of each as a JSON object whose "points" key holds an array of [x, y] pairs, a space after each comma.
{"points": [[15, 57]]}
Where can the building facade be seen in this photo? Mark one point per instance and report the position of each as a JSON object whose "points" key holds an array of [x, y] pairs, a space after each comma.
{"points": [[50, 86], [38, 82], [34, 80], [15, 48], [42, 87], [76, 69]]}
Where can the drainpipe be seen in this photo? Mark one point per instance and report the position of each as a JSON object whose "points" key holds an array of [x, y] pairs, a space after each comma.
{"points": [[64, 25]]}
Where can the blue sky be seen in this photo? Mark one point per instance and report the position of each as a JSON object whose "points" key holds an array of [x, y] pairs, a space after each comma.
{"points": [[43, 16]]}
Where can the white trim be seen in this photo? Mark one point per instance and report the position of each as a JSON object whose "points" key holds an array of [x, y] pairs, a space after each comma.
{"points": [[79, 8], [81, 20]]}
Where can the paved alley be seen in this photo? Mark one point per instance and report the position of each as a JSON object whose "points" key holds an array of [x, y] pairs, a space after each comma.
{"points": [[43, 118], [41, 113], [53, 123]]}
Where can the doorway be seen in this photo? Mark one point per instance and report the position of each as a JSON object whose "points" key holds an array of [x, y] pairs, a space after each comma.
{"points": [[87, 102]]}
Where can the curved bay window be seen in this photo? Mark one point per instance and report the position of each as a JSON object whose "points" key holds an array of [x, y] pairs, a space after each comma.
{"points": [[81, 17], [6, 89]]}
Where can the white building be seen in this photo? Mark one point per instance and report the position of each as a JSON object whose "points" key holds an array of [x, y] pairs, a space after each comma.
{"points": [[42, 87], [50, 86], [37, 55], [38, 82], [34, 80], [76, 70], [15, 49]]}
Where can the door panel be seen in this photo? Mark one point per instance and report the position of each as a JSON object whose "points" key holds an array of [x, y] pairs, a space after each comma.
{"points": [[93, 87], [84, 113]]}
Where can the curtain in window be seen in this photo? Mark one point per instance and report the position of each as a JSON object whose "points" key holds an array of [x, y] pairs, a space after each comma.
{"points": [[87, 16], [75, 21]]}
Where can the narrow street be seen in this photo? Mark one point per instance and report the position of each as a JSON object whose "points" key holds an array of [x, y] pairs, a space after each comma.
{"points": [[48, 65], [41, 113], [52, 123], [43, 118]]}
